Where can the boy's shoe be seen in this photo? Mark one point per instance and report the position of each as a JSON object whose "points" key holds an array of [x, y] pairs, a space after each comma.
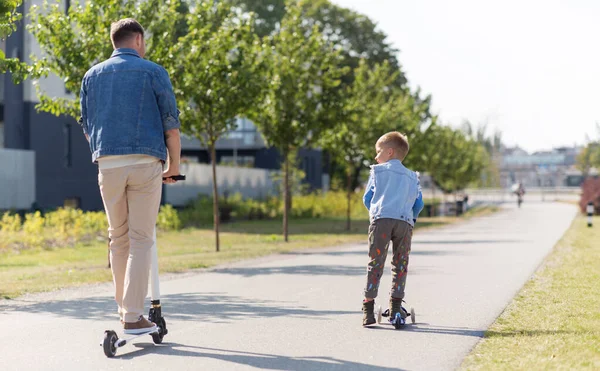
{"points": [[142, 326], [368, 312], [396, 307]]}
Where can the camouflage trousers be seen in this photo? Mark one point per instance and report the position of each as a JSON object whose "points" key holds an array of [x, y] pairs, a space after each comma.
{"points": [[381, 233]]}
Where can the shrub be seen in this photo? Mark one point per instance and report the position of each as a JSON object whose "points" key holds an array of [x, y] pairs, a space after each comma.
{"points": [[33, 229], [314, 205], [10, 223], [168, 219]]}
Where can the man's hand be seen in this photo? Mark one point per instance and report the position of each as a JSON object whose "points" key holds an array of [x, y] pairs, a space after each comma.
{"points": [[173, 141], [171, 171]]}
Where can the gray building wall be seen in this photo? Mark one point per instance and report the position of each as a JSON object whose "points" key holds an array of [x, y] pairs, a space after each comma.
{"points": [[17, 179], [250, 183]]}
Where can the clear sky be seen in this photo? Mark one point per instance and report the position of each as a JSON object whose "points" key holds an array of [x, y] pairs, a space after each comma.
{"points": [[530, 68]]}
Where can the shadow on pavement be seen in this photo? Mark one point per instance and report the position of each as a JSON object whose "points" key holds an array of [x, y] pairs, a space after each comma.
{"points": [[365, 252], [464, 242], [211, 307], [314, 270], [257, 360], [426, 328], [309, 270]]}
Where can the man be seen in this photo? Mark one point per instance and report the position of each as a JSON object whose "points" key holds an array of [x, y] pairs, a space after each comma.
{"points": [[130, 118]]}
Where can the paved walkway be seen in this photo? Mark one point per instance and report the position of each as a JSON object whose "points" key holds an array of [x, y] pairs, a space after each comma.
{"points": [[301, 311]]}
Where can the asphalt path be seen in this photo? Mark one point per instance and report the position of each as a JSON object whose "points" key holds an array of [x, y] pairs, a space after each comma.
{"points": [[301, 310]]}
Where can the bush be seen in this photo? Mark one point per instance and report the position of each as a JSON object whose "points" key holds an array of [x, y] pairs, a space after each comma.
{"points": [[168, 219], [197, 212], [67, 227], [10, 223], [314, 205], [33, 229]]}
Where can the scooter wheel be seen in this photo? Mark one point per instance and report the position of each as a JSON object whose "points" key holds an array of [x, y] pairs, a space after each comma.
{"points": [[398, 321], [379, 312], [413, 319], [157, 338], [110, 338]]}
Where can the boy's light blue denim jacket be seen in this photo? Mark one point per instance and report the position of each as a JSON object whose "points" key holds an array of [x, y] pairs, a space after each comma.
{"points": [[127, 104], [394, 192]]}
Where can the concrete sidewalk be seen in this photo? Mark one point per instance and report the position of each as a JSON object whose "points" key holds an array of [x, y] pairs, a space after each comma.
{"points": [[301, 311]]}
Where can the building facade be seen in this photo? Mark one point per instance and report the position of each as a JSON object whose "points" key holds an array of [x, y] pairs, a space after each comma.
{"points": [[553, 168]]}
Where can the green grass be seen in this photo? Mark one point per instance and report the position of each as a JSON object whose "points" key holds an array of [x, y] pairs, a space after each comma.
{"points": [[36, 270], [554, 322]]}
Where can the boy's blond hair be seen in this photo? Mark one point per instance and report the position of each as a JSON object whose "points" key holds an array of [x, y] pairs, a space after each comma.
{"points": [[396, 141]]}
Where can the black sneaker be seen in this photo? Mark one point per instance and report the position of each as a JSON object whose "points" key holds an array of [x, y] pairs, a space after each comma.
{"points": [[368, 312]]}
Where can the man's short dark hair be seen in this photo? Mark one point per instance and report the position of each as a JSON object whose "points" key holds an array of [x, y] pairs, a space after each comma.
{"points": [[125, 29]]}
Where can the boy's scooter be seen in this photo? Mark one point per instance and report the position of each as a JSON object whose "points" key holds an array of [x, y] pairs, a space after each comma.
{"points": [[398, 321], [111, 341]]}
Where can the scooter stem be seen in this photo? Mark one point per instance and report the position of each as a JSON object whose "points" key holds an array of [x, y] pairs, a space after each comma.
{"points": [[154, 283]]}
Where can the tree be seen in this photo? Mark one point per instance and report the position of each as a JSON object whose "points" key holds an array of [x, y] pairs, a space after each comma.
{"points": [[590, 155], [304, 76], [452, 159], [74, 41], [372, 105], [354, 34], [9, 16], [490, 175], [218, 77]]}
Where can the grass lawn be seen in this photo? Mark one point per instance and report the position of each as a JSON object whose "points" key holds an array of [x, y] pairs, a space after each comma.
{"points": [[44, 270], [554, 322]]}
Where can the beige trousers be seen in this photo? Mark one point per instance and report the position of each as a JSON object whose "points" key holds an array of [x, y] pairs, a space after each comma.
{"points": [[131, 196]]}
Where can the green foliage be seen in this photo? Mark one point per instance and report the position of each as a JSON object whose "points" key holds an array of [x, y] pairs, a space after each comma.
{"points": [[198, 212], [10, 223], [490, 175], [367, 112], [219, 75], [590, 155], [303, 96], [62, 227], [8, 16], [355, 34], [75, 41], [314, 205], [168, 219], [33, 229], [453, 160], [304, 75], [330, 204]]}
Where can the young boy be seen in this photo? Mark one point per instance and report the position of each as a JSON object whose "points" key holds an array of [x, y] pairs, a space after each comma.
{"points": [[393, 197]]}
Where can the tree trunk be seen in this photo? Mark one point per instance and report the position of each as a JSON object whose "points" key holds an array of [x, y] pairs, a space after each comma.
{"points": [[432, 196], [286, 194], [349, 196], [216, 218]]}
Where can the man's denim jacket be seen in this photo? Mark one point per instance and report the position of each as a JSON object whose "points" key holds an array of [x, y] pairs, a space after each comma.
{"points": [[393, 191], [127, 104]]}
